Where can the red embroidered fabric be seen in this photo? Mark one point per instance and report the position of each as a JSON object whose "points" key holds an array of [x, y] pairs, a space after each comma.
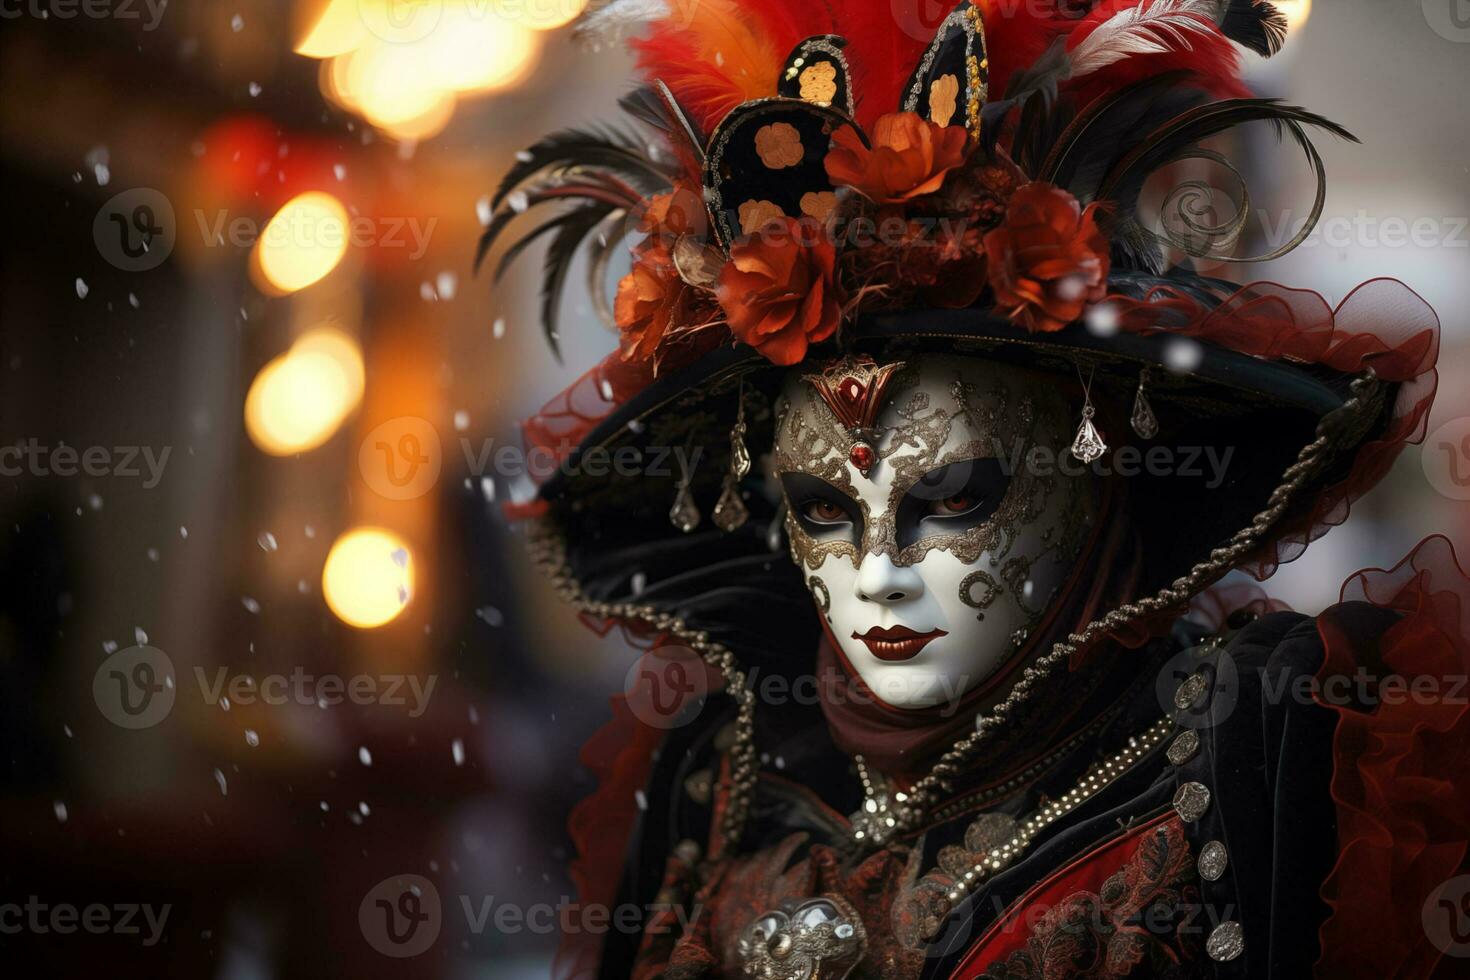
{"points": [[1088, 918], [1401, 778]]}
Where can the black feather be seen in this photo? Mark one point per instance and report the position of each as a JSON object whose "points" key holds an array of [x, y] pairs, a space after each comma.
{"points": [[1039, 82], [1081, 155], [609, 149], [529, 239], [654, 105], [1126, 177], [1255, 24], [559, 255]]}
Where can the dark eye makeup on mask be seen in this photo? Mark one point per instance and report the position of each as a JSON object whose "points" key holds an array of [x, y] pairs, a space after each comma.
{"points": [[946, 500]]}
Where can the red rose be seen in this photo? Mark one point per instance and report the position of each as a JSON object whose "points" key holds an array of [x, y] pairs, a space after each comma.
{"points": [[909, 157], [650, 298], [1048, 259], [779, 292]]}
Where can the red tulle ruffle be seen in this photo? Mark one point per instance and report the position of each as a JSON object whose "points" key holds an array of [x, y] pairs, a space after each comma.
{"points": [[1383, 325], [1401, 778]]}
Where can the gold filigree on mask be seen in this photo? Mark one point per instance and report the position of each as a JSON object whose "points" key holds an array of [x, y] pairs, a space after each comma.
{"points": [[986, 599], [810, 440]]}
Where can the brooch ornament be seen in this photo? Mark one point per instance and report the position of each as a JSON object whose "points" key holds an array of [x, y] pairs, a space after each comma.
{"points": [[816, 939], [853, 388]]}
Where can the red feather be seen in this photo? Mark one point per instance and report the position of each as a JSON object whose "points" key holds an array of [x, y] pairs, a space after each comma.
{"points": [[885, 40], [716, 54], [1016, 34]]}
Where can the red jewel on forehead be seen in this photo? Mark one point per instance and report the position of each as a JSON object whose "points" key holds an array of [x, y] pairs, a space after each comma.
{"points": [[853, 388]]}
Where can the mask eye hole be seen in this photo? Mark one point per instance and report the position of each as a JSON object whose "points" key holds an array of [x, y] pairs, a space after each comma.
{"points": [[956, 505], [820, 508], [823, 512], [952, 497]]}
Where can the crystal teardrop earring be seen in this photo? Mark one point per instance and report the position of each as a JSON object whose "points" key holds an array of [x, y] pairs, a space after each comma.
{"points": [[685, 513], [1143, 420], [730, 511], [1088, 446]]}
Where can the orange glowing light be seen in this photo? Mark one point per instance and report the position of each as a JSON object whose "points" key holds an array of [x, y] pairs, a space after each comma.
{"points": [[303, 242], [368, 578], [542, 15]]}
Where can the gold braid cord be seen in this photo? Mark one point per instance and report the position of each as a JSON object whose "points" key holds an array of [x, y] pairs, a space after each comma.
{"points": [[548, 552]]}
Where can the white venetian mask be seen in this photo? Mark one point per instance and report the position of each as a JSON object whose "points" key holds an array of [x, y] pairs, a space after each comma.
{"points": [[933, 566]]}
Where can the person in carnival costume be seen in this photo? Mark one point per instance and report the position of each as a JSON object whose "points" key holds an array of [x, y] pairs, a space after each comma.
{"points": [[953, 693]]}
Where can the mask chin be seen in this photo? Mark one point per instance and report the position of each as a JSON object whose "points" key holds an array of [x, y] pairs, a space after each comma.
{"points": [[932, 569]]}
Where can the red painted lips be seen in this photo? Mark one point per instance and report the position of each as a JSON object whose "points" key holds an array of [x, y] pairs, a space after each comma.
{"points": [[896, 644]]}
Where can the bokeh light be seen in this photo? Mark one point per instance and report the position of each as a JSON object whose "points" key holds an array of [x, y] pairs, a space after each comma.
{"points": [[299, 399], [303, 242], [368, 577], [406, 76], [543, 15], [1296, 11]]}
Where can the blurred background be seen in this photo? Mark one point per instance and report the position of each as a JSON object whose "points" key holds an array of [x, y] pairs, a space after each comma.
{"points": [[256, 397]]}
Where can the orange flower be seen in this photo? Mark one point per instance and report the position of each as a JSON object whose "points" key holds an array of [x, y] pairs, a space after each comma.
{"points": [[650, 298], [1048, 259], [681, 211], [779, 292], [909, 157]]}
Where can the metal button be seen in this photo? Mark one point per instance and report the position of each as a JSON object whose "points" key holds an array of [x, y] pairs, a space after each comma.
{"points": [[1226, 943], [1212, 861], [1184, 748], [1192, 801]]}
